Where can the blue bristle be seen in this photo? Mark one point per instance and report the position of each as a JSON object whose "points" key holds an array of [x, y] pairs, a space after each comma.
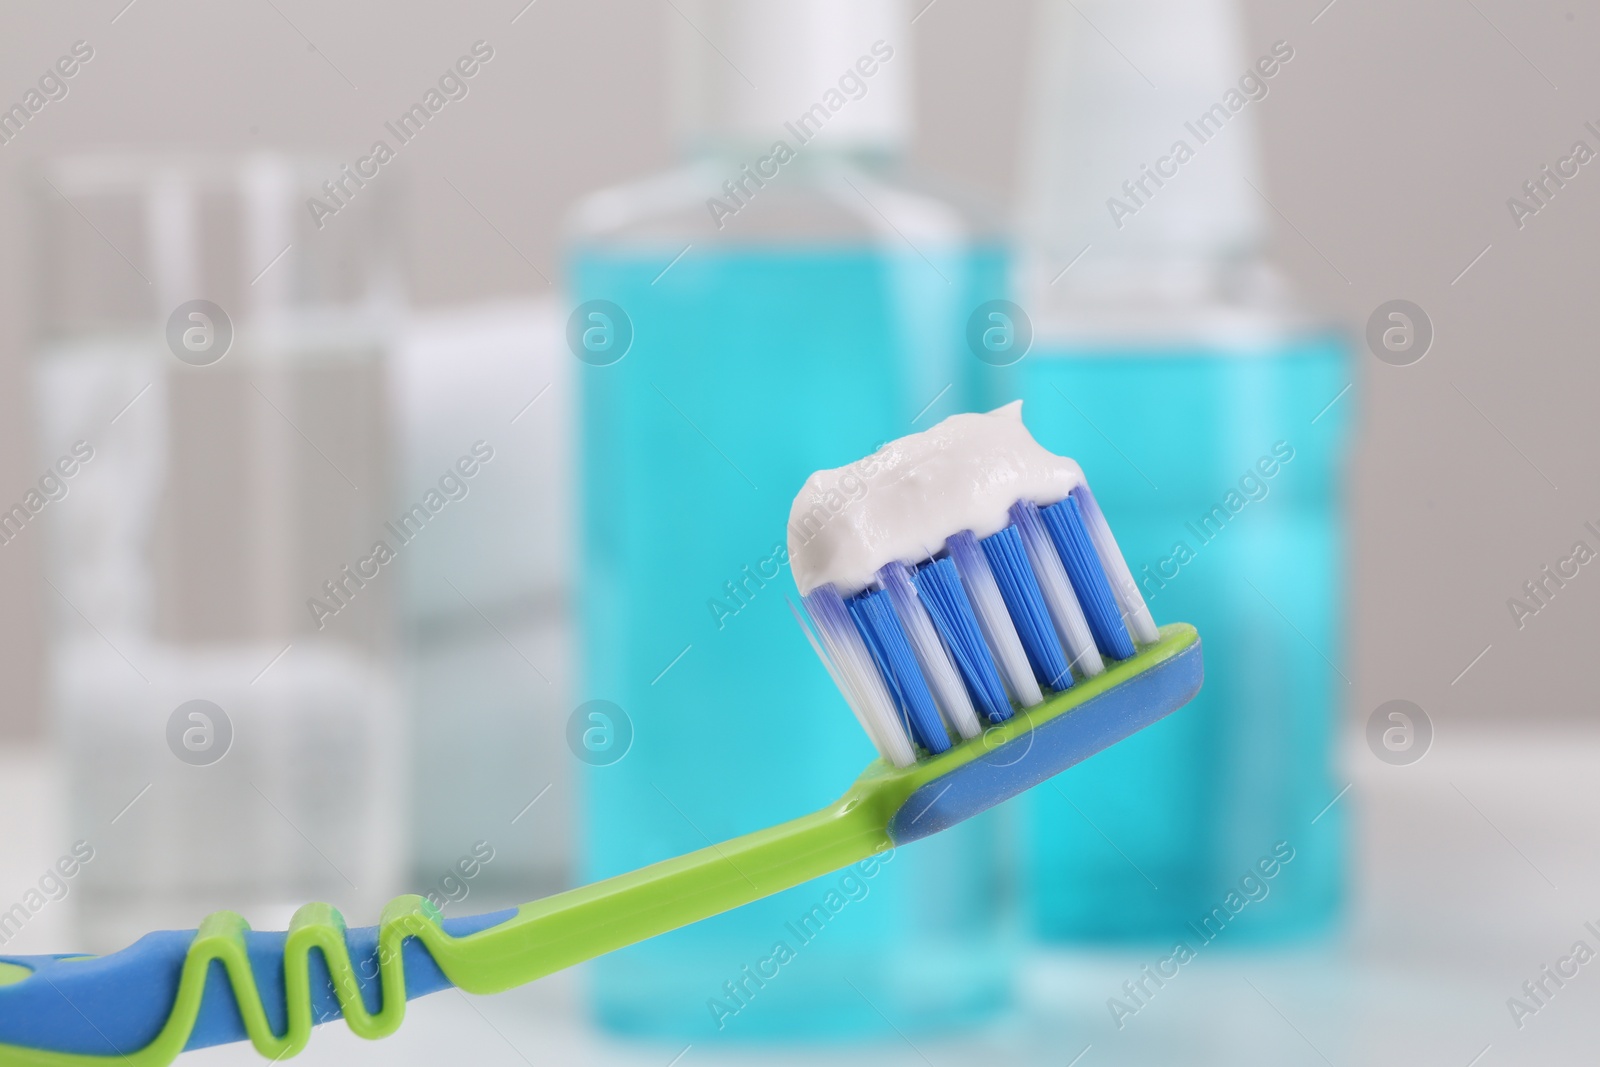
{"points": [[1065, 523], [940, 589], [875, 617], [1025, 602]]}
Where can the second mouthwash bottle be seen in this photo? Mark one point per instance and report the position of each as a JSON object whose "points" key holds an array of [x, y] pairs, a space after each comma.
{"points": [[1212, 416]]}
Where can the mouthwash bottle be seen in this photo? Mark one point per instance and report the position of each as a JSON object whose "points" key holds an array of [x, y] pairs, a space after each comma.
{"points": [[1212, 417], [784, 300]]}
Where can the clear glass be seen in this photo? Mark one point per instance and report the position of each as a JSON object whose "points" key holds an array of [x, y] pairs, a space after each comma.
{"points": [[822, 318], [215, 487]]}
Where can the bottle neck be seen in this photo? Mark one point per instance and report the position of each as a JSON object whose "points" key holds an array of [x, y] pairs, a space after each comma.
{"points": [[787, 148], [1160, 298]]}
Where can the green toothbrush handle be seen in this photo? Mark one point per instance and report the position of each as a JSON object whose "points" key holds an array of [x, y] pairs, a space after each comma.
{"points": [[554, 933], [557, 932], [123, 989], [49, 1004]]}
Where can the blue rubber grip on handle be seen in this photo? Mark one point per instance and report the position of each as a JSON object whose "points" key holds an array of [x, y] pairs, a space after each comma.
{"points": [[117, 1004]]}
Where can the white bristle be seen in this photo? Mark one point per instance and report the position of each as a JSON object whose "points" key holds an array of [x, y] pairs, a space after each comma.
{"points": [[994, 620], [949, 692], [1065, 611], [854, 671], [1130, 602]]}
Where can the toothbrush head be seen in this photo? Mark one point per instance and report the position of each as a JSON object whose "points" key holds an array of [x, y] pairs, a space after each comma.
{"points": [[1034, 744], [965, 592]]}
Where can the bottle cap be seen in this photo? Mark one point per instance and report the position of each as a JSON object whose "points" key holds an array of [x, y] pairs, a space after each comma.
{"points": [[752, 72], [1142, 141]]}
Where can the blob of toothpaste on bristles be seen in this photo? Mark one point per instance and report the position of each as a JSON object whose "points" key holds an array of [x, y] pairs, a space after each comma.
{"points": [[956, 574]]}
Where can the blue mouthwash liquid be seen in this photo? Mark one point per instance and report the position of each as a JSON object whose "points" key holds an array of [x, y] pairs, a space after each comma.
{"points": [[1221, 473], [749, 368]]}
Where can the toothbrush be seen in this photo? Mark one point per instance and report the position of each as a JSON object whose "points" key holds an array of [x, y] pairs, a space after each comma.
{"points": [[978, 670]]}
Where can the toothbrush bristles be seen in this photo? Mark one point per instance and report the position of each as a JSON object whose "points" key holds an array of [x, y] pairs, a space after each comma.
{"points": [[980, 627], [1129, 600], [939, 587], [845, 654], [993, 619], [875, 617], [1065, 611], [931, 653]]}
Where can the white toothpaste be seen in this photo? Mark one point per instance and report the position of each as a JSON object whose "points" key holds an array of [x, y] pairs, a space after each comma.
{"points": [[904, 500]]}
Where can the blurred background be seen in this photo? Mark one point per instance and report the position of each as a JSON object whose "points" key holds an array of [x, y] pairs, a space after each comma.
{"points": [[369, 511]]}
